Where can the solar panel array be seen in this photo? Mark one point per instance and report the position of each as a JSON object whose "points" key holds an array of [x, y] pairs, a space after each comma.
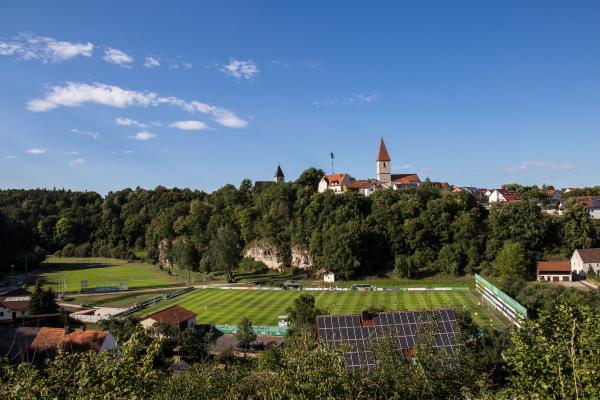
{"points": [[405, 327]]}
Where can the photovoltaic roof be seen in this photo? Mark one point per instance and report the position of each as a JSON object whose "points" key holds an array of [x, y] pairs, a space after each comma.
{"points": [[404, 327]]}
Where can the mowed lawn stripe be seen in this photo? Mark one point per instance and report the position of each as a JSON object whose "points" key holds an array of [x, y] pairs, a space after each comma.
{"points": [[220, 306]]}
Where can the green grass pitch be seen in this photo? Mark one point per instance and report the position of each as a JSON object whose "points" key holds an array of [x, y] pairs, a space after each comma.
{"points": [[263, 307], [100, 272]]}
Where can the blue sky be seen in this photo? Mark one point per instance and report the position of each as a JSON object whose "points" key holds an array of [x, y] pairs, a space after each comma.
{"points": [[107, 95]]}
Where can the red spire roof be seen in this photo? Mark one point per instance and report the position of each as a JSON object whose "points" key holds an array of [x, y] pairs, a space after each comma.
{"points": [[383, 155]]}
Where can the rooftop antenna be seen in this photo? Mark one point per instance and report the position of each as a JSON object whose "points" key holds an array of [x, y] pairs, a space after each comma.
{"points": [[332, 157]]}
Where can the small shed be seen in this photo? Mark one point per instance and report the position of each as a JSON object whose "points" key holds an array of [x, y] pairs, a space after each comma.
{"points": [[176, 316], [329, 277], [554, 271], [283, 321]]}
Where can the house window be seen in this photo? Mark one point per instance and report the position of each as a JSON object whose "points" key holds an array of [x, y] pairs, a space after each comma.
{"points": [[1, 313]]}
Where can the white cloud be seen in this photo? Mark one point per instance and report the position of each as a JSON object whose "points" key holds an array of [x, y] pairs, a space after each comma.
{"points": [[93, 135], [128, 151], [151, 62], [189, 125], [35, 151], [403, 167], [44, 49], [240, 69], [74, 94], [542, 166], [143, 136], [116, 56], [130, 122], [310, 64], [77, 162], [354, 100], [10, 157], [72, 153]]}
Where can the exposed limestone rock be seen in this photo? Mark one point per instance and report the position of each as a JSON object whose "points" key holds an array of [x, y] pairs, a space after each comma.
{"points": [[164, 259], [265, 253], [301, 258]]}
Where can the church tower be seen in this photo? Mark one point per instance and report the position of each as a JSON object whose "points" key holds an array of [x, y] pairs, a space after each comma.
{"points": [[279, 177], [384, 168]]}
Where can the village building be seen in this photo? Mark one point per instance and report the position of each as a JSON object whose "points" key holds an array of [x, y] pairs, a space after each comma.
{"points": [[365, 187], [278, 178], [329, 277], [32, 344], [554, 271], [585, 260], [334, 182], [14, 304], [591, 204], [503, 196], [176, 316]]}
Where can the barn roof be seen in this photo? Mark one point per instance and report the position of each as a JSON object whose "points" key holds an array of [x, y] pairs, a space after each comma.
{"points": [[173, 315], [589, 255]]}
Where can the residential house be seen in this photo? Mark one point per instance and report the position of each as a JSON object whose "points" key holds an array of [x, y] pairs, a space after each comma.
{"points": [[405, 181], [29, 344], [329, 277], [334, 182], [478, 194], [14, 304], [584, 260], [591, 204], [176, 316], [365, 187], [554, 271], [503, 196]]}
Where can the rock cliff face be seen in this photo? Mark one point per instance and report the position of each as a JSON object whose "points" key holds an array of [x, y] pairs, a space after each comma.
{"points": [[163, 253], [301, 258], [267, 253]]}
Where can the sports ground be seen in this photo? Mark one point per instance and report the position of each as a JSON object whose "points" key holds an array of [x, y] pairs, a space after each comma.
{"points": [[220, 306], [101, 272]]}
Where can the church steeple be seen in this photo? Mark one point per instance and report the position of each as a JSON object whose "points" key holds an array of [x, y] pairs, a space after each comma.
{"points": [[279, 177], [383, 165]]}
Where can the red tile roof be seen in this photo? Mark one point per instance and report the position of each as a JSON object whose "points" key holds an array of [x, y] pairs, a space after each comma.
{"points": [[335, 179], [173, 315], [360, 184], [15, 300], [509, 195], [554, 266], [50, 340], [589, 255], [405, 178], [382, 154]]}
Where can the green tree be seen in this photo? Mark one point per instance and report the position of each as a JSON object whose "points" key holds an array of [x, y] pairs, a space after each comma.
{"points": [[245, 333], [513, 260], [556, 356], [42, 301], [577, 228], [226, 250], [63, 231], [303, 314]]}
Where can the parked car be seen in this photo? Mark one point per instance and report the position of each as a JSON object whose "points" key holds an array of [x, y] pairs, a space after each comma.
{"points": [[243, 345], [257, 346]]}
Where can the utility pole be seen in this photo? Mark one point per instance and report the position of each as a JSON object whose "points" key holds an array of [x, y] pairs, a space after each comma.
{"points": [[332, 157]]}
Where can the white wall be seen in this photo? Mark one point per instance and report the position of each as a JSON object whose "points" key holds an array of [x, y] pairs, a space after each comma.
{"points": [[580, 268]]}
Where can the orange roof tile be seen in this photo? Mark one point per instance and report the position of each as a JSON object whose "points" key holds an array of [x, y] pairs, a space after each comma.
{"points": [[53, 339], [383, 154], [335, 179], [173, 315], [554, 266], [405, 178]]}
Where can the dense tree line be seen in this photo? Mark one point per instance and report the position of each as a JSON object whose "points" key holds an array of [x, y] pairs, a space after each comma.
{"points": [[413, 232]]}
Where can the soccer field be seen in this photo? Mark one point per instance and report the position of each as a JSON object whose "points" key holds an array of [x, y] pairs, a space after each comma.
{"points": [[263, 307], [101, 272]]}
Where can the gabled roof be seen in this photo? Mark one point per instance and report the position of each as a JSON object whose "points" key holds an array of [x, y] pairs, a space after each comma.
{"points": [[50, 340], [509, 195], [335, 179], [405, 178], [588, 202], [173, 315], [279, 173], [554, 266], [589, 255], [361, 184], [15, 299], [382, 154]]}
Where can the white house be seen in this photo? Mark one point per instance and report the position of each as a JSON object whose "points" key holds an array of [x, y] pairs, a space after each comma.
{"points": [[554, 271], [591, 204], [14, 304], [502, 196], [334, 182], [584, 259], [365, 187], [329, 277], [176, 316]]}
